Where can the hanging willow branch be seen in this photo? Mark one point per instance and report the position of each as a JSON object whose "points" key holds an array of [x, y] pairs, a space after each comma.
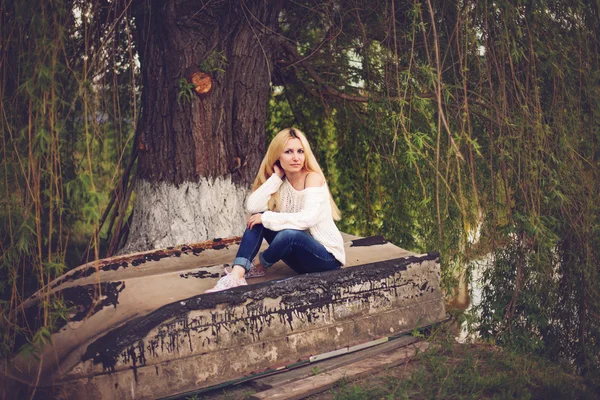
{"points": [[119, 201]]}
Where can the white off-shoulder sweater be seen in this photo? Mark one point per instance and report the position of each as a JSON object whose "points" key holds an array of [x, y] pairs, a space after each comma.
{"points": [[307, 209]]}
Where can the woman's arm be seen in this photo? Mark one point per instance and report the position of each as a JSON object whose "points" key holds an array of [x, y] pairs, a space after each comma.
{"points": [[310, 214], [257, 201]]}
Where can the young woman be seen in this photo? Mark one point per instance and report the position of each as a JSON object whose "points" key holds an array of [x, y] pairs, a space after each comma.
{"points": [[293, 210]]}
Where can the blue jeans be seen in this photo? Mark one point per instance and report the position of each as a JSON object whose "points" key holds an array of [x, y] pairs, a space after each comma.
{"points": [[298, 249]]}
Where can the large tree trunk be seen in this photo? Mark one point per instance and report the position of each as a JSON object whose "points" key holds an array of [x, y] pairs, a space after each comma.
{"points": [[197, 158]]}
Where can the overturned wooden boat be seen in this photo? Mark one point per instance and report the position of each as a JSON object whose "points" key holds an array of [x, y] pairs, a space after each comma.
{"points": [[141, 327]]}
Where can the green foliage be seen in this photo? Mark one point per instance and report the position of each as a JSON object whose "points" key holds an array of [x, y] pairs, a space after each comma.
{"points": [[416, 332], [216, 61], [66, 121], [186, 91]]}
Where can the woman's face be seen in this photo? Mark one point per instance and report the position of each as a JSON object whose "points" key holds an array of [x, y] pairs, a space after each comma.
{"points": [[292, 157]]}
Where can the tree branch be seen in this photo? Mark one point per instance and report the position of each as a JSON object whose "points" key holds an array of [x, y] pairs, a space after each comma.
{"points": [[297, 59], [293, 52]]}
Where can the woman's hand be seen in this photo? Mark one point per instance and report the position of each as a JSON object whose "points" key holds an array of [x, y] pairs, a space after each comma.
{"points": [[256, 219], [277, 170]]}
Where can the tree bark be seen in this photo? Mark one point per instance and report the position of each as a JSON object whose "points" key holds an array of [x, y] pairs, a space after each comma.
{"points": [[198, 157]]}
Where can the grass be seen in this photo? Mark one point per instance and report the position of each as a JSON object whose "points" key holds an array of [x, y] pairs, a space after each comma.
{"points": [[449, 370]]}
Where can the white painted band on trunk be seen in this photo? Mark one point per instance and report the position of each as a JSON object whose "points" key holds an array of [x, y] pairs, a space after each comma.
{"points": [[169, 215]]}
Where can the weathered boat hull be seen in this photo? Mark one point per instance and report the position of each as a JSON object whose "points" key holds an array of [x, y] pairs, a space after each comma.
{"points": [[204, 340]]}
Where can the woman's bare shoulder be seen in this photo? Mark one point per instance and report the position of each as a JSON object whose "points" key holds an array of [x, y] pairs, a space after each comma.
{"points": [[314, 179]]}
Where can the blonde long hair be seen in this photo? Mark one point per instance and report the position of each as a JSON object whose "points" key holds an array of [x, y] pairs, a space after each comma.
{"points": [[275, 149]]}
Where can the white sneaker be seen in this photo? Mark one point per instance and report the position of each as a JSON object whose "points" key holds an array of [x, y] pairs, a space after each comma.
{"points": [[227, 282], [255, 271]]}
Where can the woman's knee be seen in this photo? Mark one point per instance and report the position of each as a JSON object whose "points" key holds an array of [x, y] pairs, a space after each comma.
{"points": [[256, 228], [255, 231], [289, 235]]}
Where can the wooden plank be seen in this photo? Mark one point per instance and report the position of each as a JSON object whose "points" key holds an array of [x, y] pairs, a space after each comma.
{"points": [[315, 384], [307, 371], [346, 350]]}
